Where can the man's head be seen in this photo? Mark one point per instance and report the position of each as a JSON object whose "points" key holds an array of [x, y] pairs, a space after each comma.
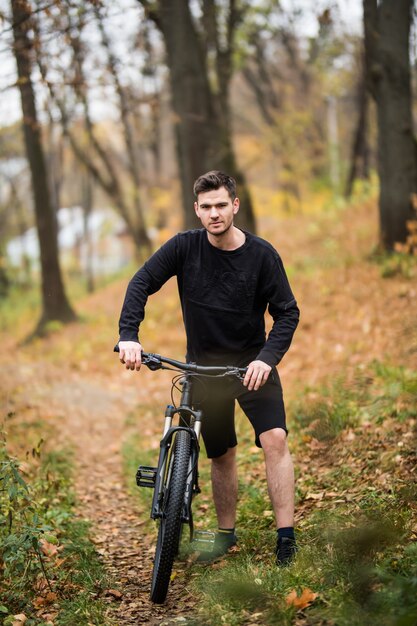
{"points": [[214, 180], [216, 202]]}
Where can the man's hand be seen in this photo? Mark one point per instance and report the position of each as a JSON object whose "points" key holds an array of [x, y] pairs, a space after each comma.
{"points": [[130, 354], [256, 375]]}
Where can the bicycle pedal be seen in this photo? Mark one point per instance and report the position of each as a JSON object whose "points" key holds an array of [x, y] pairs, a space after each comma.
{"points": [[146, 476], [203, 540]]}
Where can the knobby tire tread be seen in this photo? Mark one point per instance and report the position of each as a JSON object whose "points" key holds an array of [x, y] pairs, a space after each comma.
{"points": [[170, 525]]}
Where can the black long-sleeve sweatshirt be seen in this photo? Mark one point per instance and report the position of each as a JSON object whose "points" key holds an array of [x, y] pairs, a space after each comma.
{"points": [[224, 296]]}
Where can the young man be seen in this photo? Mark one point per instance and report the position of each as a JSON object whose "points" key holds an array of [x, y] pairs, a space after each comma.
{"points": [[227, 278]]}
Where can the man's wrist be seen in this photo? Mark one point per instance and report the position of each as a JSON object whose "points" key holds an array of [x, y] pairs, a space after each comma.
{"points": [[268, 357]]}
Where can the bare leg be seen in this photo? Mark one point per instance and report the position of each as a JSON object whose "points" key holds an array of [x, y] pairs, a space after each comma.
{"points": [[279, 475], [224, 485]]}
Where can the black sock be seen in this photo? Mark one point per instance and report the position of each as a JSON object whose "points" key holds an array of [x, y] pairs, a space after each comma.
{"points": [[286, 531], [227, 531]]}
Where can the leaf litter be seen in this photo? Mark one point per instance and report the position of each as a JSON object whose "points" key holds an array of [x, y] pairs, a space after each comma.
{"points": [[88, 399]]}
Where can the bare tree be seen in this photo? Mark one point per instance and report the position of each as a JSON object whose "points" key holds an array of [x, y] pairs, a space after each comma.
{"points": [[387, 39], [55, 305], [200, 62], [360, 157], [89, 149]]}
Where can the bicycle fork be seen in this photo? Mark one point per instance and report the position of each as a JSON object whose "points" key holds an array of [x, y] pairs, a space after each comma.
{"points": [[155, 477]]}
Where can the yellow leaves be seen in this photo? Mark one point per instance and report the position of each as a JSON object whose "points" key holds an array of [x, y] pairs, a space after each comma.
{"points": [[300, 602], [19, 620]]}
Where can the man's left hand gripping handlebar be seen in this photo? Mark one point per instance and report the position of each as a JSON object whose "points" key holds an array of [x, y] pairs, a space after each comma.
{"points": [[256, 375], [130, 354]]}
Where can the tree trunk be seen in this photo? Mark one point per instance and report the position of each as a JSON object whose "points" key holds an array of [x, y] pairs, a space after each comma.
{"points": [[54, 301], [202, 131], [359, 164], [387, 32], [87, 206]]}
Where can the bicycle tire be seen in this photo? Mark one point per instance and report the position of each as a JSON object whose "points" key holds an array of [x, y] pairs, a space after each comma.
{"points": [[169, 531]]}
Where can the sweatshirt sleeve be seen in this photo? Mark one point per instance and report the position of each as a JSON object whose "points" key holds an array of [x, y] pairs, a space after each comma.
{"points": [[161, 266], [283, 308]]}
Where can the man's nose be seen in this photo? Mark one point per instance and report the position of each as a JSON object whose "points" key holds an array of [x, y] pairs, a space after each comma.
{"points": [[214, 212]]}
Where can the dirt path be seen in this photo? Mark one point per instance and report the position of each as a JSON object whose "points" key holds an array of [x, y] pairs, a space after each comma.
{"points": [[88, 414], [350, 316]]}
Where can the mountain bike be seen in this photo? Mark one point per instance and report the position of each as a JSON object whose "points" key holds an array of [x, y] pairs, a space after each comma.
{"points": [[175, 478]]}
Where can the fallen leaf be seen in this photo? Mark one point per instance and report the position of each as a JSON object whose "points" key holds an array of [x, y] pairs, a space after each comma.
{"points": [[315, 444], [315, 496], [48, 549], [218, 564], [19, 619], [24, 468], [301, 602], [42, 601], [115, 593]]}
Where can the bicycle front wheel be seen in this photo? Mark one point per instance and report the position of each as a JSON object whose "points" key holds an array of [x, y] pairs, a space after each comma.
{"points": [[170, 523]]}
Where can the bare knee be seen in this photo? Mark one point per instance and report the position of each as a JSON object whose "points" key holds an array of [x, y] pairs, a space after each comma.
{"points": [[225, 460], [274, 442]]}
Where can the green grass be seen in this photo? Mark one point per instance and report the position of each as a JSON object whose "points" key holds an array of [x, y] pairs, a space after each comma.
{"points": [[356, 540], [40, 505], [395, 264]]}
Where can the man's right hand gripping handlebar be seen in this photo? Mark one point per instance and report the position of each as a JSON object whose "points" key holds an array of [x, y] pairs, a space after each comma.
{"points": [[130, 354]]}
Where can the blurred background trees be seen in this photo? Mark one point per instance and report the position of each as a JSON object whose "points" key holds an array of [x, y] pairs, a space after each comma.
{"points": [[55, 305], [387, 44], [132, 100]]}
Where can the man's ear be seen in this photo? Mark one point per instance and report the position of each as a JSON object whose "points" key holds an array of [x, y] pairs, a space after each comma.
{"points": [[236, 205], [196, 208]]}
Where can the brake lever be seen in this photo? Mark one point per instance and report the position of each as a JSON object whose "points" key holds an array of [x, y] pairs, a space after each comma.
{"points": [[152, 362], [235, 371]]}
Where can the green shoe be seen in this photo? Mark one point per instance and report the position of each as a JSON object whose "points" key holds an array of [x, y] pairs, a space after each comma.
{"points": [[222, 544]]}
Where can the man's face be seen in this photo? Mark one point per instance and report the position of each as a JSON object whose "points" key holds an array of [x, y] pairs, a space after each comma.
{"points": [[216, 210]]}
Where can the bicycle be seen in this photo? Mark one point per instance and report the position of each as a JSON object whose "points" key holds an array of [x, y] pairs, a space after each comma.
{"points": [[175, 478]]}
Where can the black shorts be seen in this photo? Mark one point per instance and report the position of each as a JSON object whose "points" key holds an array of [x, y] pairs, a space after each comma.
{"points": [[216, 398]]}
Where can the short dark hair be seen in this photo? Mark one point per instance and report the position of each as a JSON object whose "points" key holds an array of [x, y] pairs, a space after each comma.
{"points": [[214, 180]]}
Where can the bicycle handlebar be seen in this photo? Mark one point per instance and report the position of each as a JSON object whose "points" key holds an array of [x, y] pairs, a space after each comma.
{"points": [[156, 361]]}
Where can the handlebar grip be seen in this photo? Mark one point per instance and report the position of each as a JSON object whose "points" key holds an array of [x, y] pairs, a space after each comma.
{"points": [[117, 349]]}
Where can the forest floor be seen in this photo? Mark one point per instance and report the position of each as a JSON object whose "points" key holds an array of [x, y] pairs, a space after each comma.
{"points": [[352, 317]]}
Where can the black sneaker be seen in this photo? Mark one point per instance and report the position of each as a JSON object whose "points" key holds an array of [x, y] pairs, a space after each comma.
{"points": [[286, 551], [222, 544]]}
